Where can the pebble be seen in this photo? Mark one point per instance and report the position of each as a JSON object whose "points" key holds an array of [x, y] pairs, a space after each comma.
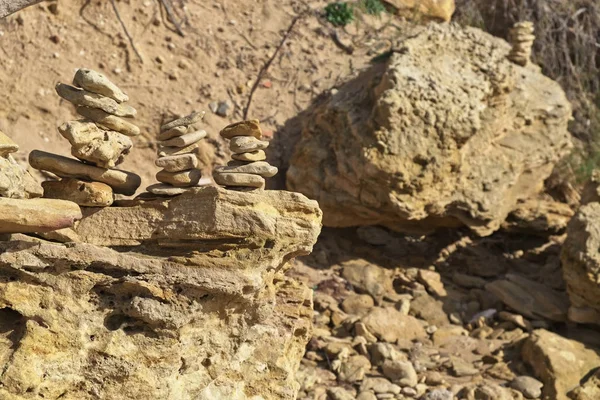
{"points": [[258, 155], [95, 82], [122, 182], [180, 179], [530, 387], [185, 140], [243, 128], [85, 194], [223, 108], [80, 97], [242, 144], [109, 122], [244, 180], [261, 168], [177, 163]]}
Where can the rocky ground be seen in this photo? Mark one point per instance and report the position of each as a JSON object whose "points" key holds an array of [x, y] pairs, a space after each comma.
{"points": [[441, 316]]}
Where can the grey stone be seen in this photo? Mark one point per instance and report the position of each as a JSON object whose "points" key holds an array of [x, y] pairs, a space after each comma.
{"points": [[184, 121], [261, 168], [530, 387], [244, 144], [95, 82], [80, 97]]}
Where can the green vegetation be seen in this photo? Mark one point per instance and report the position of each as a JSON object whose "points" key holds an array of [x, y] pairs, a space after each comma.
{"points": [[339, 13], [373, 7]]}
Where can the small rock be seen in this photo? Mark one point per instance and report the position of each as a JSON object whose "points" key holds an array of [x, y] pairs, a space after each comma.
{"points": [[173, 132], [530, 387], [468, 281], [389, 325], [164, 151], [382, 352], [379, 385], [36, 215], [366, 395], [95, 82], [358, 304], [439, 394], [185, 140], [223, 108], [258, 155], [261, 168], [243, 128], [180, 179], [80, 97], [409, 391], [243, 144], [85, 194], [213, 106], [107, 121], [400, 372], [160, 189], [239, 180], [433, 281], [338, 393], [178, 163], [190, 119], [15, 181], [354, 369], [7, 146]]}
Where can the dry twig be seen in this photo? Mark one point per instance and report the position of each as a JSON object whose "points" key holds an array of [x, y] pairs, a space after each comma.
{"points": [[171, 16], [137, 53]]}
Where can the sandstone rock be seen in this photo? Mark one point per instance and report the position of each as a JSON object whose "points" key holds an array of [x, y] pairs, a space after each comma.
{"points": [[358, 304], [106, 149], [177, 163], [80, 97], [175, 151], [122, 182], [581, 263], [258, 155], [354, 368], [379, 386], [558, 362], [16, 182], [243, 144], [185, 140], [217, 317], [486, 391], [180, 179], [439, 394], [237, 180], [531, 299], [401, 372], [502, 136], [589, 390], [389, 325], [191, 119], [432, 281], [429, 309], [86, 194], [338, 393], [539, 218], [366, 395], [368, 278], [36, 215], [161, 189], [109, 122], [530, 387], [7, 146], [95, 82], [243, 128], [261, 168], [428, 9], [173, 132]]}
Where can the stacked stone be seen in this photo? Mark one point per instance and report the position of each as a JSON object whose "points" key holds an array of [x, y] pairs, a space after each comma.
{"points": [[178, 141], [100, 140], [248, 169], [21, 210], [521, 37]]}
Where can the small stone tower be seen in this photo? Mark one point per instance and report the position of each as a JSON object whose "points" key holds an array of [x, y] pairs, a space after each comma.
{"points": [[521, 37]]}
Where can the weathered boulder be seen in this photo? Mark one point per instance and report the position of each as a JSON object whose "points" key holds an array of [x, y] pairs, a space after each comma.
{"points": [[190, 304], [560, 363], [446, 133], [581, 264]]}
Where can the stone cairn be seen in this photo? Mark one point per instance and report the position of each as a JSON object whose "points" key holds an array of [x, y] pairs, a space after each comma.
{"points": [[99, 141], [178, 142], [247, 170], [521, 37]]}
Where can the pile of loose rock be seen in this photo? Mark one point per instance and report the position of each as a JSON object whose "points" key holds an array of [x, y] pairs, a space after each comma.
{"points": [[179, 141], [248, 169], [21, 211], [100, 141], [521, 37]]}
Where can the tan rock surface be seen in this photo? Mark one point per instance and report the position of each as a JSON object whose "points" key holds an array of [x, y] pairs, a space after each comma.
{"points": [[86, 194], [96, 82], [237, 179], [447, 133], [389, 325], [243, 144], [427, 9], [80, 97], [36, 215], [122, 182], [191, 119], [581, 263], [252, 156], [109, 122], [16, 182], [261, 168], [185, 140], [213, 319], [106, 149], [177, 163], [7, 145], [558, 362], [180, 179], [243, 128]]}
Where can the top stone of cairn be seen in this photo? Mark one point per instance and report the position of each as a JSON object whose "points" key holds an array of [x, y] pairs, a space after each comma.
{"points": [[243, 128], [95, 82]]}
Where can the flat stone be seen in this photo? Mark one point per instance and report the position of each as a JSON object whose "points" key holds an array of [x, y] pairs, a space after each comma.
{"points": [[122, 182], [36, 215], [105, 149], [7, 146], [178, 163], [95, 82], [433, 281], [258, 155], [261, 168], [245, 180], [244, 144], [162, 189], [16, 182], [530, 387], [86, 194], [180, 179], [185, 121], [389, 325], [164, 151], [80, 97], [401, 372], [109, 122], [185, 140], [243, 128], [174, 132]]}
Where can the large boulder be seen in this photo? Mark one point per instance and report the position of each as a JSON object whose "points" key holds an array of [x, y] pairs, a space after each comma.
{"points": [[581, 264], [447, 132], [191, 304]]}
